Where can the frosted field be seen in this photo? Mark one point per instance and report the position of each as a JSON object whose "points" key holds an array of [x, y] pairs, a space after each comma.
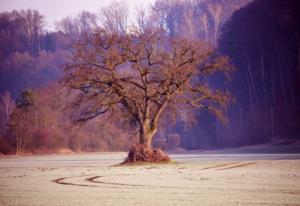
{"points": [[92, 179]]}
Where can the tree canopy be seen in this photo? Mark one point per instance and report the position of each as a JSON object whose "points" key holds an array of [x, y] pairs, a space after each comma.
{"points": [[143, 75]]}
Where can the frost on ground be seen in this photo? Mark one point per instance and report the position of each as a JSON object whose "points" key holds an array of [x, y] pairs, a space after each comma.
{"points": [[90, 179]]}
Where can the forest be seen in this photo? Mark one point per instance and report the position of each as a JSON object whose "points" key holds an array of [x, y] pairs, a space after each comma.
{"points": [[261, 38]]}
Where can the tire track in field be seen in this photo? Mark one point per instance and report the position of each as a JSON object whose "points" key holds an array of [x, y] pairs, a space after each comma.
{"points": [[237, 166], [95, 179], [217, 166], [97, 182], [103, 184], [61, 181]]}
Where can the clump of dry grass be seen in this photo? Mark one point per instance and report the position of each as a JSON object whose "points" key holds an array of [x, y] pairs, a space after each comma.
{"points": [[139, 153]]}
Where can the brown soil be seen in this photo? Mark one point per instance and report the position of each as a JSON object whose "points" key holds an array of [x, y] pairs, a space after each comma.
{"points": [[139, 153]]}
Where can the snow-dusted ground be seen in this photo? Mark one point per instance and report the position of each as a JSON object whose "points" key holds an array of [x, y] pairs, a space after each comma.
{"points": [[196, 179]]}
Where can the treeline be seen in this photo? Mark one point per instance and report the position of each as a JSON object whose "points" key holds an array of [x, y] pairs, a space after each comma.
{"points": [[263, 39], [261, 36], [34, 106], [41, 121], [29, 55]]}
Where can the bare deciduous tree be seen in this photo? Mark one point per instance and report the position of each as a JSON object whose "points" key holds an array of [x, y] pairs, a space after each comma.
{"points": [[8, 104], [204, 22], [115, 17], [143, 76], [33, 25], [84, 22], [216, 12], [188, 24]]}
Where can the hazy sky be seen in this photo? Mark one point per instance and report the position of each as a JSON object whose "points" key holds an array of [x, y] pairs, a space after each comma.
{"points": [[57, 9]]}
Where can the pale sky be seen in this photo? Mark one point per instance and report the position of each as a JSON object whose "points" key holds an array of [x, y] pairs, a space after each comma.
{"points": [[54, 10]]}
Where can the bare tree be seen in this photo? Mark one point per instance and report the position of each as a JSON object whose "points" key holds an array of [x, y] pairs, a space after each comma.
{"points": [[87, 21], [67, 25], [8, 103], [144, 76], [115, 17], [145, 20], [21, 129], [216, 11], [204, 22], [84, 22], [188, 27], [141, 21], [33, 26]]}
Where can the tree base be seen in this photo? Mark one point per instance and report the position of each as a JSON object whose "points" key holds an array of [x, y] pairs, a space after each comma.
{"points": [[140, 153]]}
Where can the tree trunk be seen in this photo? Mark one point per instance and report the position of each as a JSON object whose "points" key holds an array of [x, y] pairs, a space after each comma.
{"points": [[17, 146], [143, 151], [146, 134], [282, 82]]}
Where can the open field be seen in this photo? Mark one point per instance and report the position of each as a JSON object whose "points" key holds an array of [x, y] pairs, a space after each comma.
{"points": [[209, 179]]}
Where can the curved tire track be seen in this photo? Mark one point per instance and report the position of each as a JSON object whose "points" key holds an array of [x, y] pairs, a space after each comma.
{"points": [[61, 181], [95, 180]]}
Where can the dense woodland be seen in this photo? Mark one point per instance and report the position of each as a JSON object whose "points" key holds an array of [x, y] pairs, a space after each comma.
{"points": [[262, 38]]}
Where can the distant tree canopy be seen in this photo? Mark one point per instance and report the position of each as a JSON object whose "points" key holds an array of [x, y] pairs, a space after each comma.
{"points": [[21, 31], [143, 75]]}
